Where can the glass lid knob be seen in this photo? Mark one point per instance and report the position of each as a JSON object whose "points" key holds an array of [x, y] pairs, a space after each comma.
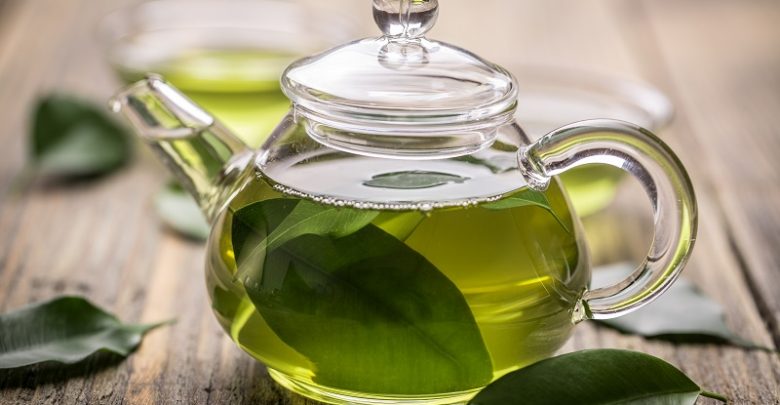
{"points": [[405, 18]]}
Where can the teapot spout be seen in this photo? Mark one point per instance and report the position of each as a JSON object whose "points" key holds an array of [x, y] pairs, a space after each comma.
{"points": [[207, 159]]}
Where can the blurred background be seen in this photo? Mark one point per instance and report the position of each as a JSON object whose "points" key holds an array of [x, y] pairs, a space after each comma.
{"points": [[703, 74]]}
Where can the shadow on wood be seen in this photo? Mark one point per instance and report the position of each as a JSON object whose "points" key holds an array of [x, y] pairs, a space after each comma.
{"points": [[52, 372]]}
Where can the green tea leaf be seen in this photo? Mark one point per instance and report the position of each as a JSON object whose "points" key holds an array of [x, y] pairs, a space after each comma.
{"points": [[372, 315], [65, 330], [590, 377], [289, 218], [523, 198], [180, 212], [370, 312], [413, 179], [72, 138], [682, 313]]}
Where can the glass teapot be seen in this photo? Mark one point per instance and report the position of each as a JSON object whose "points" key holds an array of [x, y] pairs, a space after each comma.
{"points": [[398, 239]]}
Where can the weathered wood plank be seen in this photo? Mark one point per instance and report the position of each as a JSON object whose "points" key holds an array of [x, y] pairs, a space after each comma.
{"points": [[726, 71], [649, 33], [589, 35], [713, 250], [688, 141]]}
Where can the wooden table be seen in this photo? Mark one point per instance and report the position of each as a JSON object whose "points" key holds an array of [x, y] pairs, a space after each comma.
{"points": [[719, 60]]}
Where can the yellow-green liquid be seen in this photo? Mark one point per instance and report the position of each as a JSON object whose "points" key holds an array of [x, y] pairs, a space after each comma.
{"points": [[520, 271], [239, 87], [591, 188]]}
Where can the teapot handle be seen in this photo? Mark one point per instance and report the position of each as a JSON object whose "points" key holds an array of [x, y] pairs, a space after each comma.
{"points": [[649, 160]]}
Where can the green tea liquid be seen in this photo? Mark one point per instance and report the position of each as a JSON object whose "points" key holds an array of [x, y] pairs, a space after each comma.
{"points": [[421, 302], [591, 188], [240, 87]]}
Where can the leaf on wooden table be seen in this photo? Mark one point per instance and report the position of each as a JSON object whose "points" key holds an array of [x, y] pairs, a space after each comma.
{"points": [[368, 311], [681, 314], [180, 212], [64, 330], [72, 138], [591, 377]]}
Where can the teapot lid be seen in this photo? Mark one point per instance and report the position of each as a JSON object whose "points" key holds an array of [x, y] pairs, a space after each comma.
{"points": [[401, 94]]}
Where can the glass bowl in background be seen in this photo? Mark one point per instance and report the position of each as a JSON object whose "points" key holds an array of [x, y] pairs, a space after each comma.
{"points": [[228, 56], [551, 97]]}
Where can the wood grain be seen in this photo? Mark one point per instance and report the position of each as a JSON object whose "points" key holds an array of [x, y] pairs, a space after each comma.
{"points": [[739, 143], [718, 61]]}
